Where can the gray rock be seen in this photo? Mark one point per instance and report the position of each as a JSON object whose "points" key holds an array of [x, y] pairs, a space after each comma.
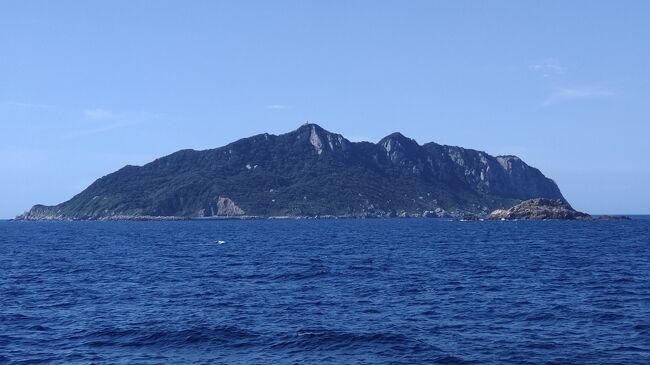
{"points": [[539, 209]]}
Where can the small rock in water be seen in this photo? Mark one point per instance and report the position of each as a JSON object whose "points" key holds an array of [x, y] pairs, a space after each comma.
{"points": [[539, 209]]}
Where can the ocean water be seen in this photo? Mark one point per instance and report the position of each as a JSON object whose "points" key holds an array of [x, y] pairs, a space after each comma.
{"points": [[400, 291]]}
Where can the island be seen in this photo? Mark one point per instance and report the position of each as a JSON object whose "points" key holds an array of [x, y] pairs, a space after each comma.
{"points": [[313, 173], [539, 209]]}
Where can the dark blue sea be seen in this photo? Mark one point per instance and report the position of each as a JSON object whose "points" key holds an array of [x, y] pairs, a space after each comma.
{"points": [[398, 291]]}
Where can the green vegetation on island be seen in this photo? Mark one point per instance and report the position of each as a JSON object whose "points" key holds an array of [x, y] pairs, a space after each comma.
{"points": [[309, 172]]}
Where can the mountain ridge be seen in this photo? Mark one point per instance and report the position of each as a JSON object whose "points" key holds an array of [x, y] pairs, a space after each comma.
{"points": [[309, 172]]}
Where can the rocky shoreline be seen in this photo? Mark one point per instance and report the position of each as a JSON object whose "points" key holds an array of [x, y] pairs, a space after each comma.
{"points": [[546, 209], [532, 209], [234, 217], [497, 215]]}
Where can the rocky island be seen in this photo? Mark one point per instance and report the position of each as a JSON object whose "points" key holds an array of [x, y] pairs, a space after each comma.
{"points": [[311, 172], [539, 209]]}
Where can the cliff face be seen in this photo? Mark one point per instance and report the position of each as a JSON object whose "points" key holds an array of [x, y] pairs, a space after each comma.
{"points": [[310, 172]]}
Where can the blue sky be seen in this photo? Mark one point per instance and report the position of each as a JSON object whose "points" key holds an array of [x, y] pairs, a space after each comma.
{"points": [[87, 86]]}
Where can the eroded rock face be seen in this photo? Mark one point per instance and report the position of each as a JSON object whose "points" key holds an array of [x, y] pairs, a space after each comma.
{"points": [[323, 140], [41, 213], [539, 209], [221, 207], [227, 207]]}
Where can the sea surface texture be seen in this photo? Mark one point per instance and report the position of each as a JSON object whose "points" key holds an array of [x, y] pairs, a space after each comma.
{"points": [[395, 291]]}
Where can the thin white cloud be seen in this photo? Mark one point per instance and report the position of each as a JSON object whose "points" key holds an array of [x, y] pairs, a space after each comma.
{"points": [[109, 120], [28, 105], [548, 68], [277, 106], [105, 128], [578, 93], [584, 93], [100, 114]]}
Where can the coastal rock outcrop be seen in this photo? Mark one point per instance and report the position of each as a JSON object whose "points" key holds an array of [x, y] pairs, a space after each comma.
{"points": [[42, 213], [221, 207], [539, 209]]}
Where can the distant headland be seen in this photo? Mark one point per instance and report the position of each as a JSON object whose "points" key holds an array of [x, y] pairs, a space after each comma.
{"points": [[313, 173]]}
